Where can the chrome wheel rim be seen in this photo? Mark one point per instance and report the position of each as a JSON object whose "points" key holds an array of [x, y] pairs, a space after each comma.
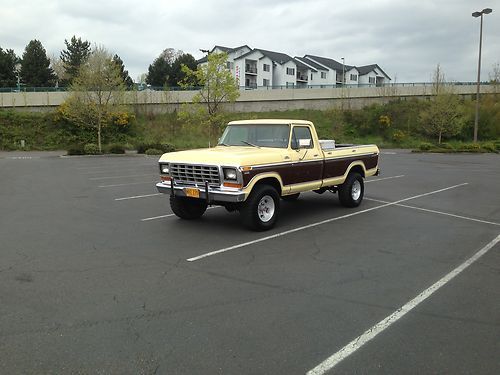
{"points": [[265, 208], [356, 190]]}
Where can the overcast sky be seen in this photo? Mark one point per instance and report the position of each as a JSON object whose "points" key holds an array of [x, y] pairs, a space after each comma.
{"points": [[406, 38]]}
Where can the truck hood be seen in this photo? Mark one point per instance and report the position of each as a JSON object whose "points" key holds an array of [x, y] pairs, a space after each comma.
{"points": [[228, 155]]}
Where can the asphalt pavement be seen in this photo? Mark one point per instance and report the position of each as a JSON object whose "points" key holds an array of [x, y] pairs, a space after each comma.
{"points": [[98, 276]]}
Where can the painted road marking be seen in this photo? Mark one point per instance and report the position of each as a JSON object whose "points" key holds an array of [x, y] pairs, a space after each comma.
{"points": [[384, 178], [388, 153], [127, 184], [124, 164], [111, 177], [137, 196], [378, 328], [437, 212], [318, 223], [170, 215]]}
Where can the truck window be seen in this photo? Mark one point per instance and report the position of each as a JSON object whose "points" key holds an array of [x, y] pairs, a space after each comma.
{"points": [[262, 135], [301, 132]]}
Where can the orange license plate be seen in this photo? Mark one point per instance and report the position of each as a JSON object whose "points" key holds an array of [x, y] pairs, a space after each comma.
{"points": [[192, 192]]}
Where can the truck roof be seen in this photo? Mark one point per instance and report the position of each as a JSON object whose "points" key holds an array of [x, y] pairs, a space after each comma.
{"points": [[270, 122]]}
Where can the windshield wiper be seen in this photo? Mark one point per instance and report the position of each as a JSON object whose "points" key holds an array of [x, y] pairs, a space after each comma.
{"points": [[250, 144], [223, 144]]}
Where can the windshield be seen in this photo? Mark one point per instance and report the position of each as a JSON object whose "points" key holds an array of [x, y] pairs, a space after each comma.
{"points": [[261, 135]]}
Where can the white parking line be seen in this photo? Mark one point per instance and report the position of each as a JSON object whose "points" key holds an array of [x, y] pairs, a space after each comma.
{"points": [[111, 177], [318, 223], [378, 328], [127, 184], [137, 196], [436, 212], [384, 178], [169, 215]]}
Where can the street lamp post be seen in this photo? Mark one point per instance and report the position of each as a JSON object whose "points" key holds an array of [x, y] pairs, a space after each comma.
{"points": [[17, 68], [476, 117], [343, 81]]}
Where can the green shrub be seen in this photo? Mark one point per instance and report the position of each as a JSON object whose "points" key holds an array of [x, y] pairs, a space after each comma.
{"points": [[91, 149], [153, 151], [116, 148], [425, 146], [398, 136], [490, 147], [470, 147], [164, 147], [75, 149], [446, 146]]}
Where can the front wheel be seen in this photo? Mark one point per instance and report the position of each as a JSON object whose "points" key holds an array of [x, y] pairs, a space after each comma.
{"points": [[260, 211], [352, 190], [187, 208]]}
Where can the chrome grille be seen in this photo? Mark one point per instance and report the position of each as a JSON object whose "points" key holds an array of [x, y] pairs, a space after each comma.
{"points": [[195, 174]]}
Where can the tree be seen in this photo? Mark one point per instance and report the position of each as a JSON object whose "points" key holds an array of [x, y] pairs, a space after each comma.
{"points": [[219, 86], [129, 83], [35, 66], [160, 70], [177, 75], [76, 53], [96, 92], [444, 116], [8, 61], [57, 65]]}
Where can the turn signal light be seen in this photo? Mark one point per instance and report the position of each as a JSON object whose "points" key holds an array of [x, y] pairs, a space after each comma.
{"points": [[166, 178], [232, 185]]}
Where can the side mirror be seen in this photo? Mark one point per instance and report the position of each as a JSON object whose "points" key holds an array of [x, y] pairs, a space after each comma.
{"points": [[304, 143]]}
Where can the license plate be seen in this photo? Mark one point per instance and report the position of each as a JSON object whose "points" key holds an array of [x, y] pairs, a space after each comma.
{"points": [[192, 192]]}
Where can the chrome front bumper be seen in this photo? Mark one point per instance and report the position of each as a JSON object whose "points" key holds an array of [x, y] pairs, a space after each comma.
{"points": [[214, 194]]}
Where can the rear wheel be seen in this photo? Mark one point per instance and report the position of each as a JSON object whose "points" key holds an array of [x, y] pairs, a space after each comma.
{"points": [[352, 190], [187, 208], [260, 211], [291, 197]]}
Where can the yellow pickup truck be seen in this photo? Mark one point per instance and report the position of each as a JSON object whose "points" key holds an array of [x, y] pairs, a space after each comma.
{"points": [[257, 162]]}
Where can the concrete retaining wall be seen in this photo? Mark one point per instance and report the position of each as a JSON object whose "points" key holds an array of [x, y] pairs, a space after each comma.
{"points": [[249, 100]]}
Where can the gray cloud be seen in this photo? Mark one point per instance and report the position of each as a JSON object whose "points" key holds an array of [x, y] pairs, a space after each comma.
{"points": [[407, 39]]}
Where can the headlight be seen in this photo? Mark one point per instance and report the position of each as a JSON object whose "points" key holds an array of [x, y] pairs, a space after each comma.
{"points": [[230, 174], [164, 168]]}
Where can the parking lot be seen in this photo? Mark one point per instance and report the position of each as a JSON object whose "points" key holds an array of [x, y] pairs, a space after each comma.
{"points": [[98, 276]]}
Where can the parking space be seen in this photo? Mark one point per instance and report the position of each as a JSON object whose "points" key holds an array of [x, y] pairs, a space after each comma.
{"points": [[96, 273]]}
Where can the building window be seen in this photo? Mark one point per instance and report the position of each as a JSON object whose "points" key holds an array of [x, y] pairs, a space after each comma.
{"points": [[311, 76], [266, 68], [265, 82], [371, 79], [354, 77], [323, 75], [229, 65], [290, 71]]}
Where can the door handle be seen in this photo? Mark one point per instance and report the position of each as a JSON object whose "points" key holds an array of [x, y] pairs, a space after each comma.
{"points": [[316, 155], [287, 157]]}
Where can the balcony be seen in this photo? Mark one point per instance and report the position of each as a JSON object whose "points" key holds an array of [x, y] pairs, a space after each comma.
{"points": [[251, 67], [302, 78]]}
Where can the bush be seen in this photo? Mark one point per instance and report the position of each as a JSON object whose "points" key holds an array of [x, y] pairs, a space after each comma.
{"points": [[116, 148], [425, 146], [490, 147], [446, 146], [164, 147], [75, 150], [398, 136], [470, 147], [153, 151], [91, 149]]}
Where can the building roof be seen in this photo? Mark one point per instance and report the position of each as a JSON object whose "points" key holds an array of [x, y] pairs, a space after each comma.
{"points": [[277, 57], [303, 64], [369, 68], [311, 63], [329, 63]]}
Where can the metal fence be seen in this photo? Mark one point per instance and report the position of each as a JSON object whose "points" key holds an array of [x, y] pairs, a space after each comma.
{"points": [[243, 88]]}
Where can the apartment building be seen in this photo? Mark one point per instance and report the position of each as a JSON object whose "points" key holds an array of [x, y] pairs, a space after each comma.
{"points": [[259, 68]]}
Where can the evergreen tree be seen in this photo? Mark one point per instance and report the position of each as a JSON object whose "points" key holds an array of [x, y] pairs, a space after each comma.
{"points": [[160, 71], [76, 53], [35, 66], [8, 61], [129, 83], [177, 74]]}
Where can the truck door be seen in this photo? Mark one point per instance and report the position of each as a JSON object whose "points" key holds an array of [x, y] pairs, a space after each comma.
{"points": [[307, 160]]}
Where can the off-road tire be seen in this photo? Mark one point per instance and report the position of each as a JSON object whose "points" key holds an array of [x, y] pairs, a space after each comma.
{"points": [[187, 208], [261, 209], [352, 190]]}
